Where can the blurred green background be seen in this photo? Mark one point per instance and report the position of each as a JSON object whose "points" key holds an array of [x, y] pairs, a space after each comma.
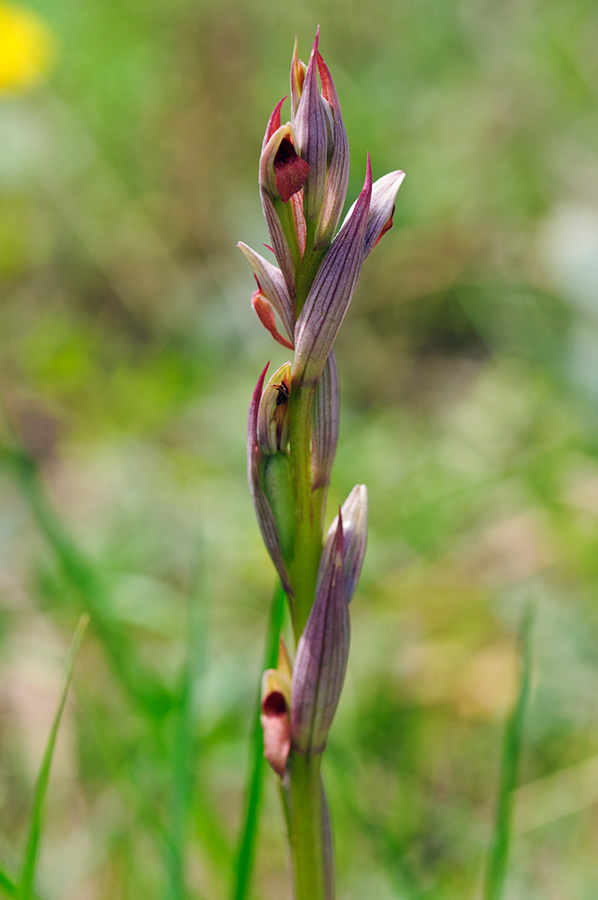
{"points": [[469, 374]]}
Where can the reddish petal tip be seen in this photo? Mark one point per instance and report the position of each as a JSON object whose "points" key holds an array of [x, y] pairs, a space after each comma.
{"points": [[275, 120]]}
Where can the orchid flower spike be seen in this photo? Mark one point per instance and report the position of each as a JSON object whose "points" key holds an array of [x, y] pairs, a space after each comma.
{"points": [[302, 296]]}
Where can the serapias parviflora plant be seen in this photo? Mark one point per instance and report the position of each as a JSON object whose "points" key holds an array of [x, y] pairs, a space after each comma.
{"points": [[292, 438]]}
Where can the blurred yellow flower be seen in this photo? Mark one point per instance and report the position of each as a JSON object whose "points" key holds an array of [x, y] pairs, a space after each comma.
{"points": [[27, 48]]}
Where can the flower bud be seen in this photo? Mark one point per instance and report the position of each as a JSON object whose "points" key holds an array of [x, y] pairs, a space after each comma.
{"points": [[256, 463], [322, 656], [313, 128], [325, 423], [384, 192], [274, 468], [354, 512], [338, 170], [332, 290]]}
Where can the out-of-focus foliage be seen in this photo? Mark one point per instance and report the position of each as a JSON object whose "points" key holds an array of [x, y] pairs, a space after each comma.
{"points": [[469, 372]]}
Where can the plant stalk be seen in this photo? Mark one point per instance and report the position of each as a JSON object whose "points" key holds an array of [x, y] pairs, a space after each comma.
{"points": [[306, 816], [308, 508]]}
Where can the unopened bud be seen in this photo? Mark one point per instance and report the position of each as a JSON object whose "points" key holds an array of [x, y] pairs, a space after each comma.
{"points": [[331, 292], [326, 419], [312, 124], [354, 512], [322, 656], [255, 472]]}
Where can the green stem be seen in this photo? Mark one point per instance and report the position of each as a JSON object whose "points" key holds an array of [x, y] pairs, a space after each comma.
{"points": [[308, 508], [309, 504], [286, 218], [305, 817], [303, 798], [304, 803], [307, 267]]}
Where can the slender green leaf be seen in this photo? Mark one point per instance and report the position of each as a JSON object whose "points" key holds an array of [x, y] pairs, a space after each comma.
{"points": [[246, 852], [499, 851], [8, 886], [31, 850]]}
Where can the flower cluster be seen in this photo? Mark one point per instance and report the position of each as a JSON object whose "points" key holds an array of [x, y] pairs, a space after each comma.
{"points": [[294, 416]]}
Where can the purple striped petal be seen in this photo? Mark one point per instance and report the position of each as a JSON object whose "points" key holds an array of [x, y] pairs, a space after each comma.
{"points": [[334, 285], [354, 512], [312, 130], [384, 192], [338, 171], [325, 423], [322, 656]]}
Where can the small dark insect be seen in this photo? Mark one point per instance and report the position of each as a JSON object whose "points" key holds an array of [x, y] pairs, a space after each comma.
{"points": [[283, 393]]}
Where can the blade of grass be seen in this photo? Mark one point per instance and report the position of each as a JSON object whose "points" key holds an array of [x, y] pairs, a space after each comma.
{"points": [[246, 852], [139, 683], [39, 797], [499, 851], [9, 887]]}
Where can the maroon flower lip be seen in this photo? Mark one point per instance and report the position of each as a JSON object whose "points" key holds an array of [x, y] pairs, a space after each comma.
{"points": [[290, 171]]}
